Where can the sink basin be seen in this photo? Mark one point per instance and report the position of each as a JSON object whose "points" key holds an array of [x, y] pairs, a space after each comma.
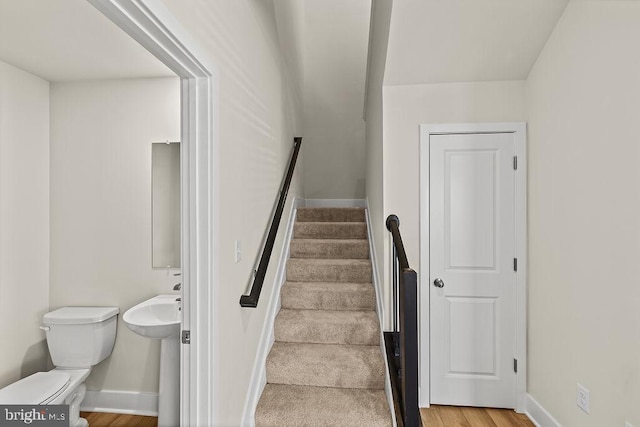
{"points": [[157, 317]]}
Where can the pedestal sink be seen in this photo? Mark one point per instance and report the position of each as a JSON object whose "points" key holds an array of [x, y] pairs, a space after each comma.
{"points": [[159, 318]]}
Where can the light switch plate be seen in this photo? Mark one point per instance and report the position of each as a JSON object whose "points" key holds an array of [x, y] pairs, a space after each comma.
{"points": [[238, 254]]}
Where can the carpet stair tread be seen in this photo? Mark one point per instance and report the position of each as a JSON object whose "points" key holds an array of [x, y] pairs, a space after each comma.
{"points": [[326, 365], [328, 296], [291, 405], [330, 248], [328, 270], [330, 215], [328, 327], [330, 230]]}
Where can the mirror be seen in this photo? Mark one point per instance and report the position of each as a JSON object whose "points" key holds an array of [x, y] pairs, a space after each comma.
{"points": [[165, 196]]}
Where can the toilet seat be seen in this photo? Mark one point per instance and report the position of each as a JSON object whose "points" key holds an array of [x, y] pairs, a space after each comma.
{"points": [[37, 389]]}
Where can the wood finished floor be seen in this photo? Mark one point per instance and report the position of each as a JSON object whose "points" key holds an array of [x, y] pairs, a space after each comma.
{"points": [[435, 416], [459, 416], [101, 419]]}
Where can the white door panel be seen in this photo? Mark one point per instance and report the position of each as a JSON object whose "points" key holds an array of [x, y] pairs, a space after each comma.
{"points": [[472, 246]]}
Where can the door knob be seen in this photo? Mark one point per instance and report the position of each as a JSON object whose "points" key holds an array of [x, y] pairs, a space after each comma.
{"points": [[438, 283]]}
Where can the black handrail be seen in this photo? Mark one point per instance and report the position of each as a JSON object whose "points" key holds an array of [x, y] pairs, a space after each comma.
{"points": [[402, 347], [251, 300]]}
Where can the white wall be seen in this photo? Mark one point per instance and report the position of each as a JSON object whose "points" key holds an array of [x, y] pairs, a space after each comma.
{"points": [[380, 20], [336, 34], [290, 25], [405, 109], [24, 222], [255, 126], [583, 98], [467, 41], [101, 135]]}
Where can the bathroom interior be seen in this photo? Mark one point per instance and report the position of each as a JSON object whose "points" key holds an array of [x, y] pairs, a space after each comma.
{"points": [[85, 117]]}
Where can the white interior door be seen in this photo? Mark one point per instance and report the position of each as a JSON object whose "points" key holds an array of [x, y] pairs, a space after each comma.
{"points": [[472, 274]]}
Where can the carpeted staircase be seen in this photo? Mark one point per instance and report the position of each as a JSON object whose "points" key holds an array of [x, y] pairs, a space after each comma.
{"points": [[326, 366]]}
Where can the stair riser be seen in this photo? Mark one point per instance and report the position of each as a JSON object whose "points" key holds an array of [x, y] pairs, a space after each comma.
{"points": [[319, 230], [321, 378], [362, 331], [320, 273], [330, 371], [327, 300], [294, 406], [330, 215], [311, 248]]}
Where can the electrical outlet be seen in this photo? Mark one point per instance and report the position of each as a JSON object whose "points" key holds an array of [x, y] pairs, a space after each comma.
{"points": [[582, 398], [238, 255]]}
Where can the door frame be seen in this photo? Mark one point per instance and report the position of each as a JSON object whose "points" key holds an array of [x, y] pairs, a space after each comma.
{"points": [[160, 34], [519, 130]]}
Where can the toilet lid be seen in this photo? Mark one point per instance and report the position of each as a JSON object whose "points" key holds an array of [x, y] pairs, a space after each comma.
{"points": [[79, 315], [36, 389]]}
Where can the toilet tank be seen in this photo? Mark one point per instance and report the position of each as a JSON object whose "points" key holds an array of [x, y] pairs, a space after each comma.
{"points": [[80, 337]]}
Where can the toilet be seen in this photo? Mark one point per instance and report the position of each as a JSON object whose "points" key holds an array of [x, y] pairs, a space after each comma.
{"points": [[78, 339]]}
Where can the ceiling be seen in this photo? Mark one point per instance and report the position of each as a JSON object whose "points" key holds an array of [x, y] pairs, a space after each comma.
{"points": [[69, 40], [438, 41]]}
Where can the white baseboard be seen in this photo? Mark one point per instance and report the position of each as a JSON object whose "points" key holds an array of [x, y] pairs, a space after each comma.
{"points": [[258, 373], [121, 402], [539, 415], [380, 311], [336, 203], [374, 266]]}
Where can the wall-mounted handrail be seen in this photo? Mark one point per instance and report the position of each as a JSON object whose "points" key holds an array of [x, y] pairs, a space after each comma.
{"points": [[404, 357], [251, 300]]}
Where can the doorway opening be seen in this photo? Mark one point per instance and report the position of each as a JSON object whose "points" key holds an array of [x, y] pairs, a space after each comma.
{"points": [[197, 198]]}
